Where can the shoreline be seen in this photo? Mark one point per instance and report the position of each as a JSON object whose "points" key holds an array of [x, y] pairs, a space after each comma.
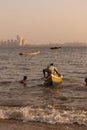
{"points": [[18, 125]]}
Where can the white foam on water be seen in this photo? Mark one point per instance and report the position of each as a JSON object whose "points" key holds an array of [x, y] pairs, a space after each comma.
{"points": [[47, 115]]}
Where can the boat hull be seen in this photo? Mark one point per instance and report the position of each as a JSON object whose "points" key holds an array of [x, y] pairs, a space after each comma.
{"points": [[29, 53], [53, 80]]}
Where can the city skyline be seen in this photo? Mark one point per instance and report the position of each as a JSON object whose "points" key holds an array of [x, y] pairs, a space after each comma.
{"points": [[42, 22], [19, 40]]}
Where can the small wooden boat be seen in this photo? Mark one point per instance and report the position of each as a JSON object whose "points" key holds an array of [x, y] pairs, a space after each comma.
{"points": [[53, 80], [29, 53], [55, 47]]}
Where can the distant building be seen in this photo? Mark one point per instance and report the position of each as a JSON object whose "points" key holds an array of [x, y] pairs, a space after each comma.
{"points": [[24, 42], [19, 40]]}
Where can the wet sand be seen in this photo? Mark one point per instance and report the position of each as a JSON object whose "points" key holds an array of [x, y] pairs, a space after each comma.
{"points": [[17, 125]]}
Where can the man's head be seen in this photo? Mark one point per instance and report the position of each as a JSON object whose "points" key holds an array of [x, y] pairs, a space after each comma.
{"points": [[25, 77], [51, 64], [86, 80]]}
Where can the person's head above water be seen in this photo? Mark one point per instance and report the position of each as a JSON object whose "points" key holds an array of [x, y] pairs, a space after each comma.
{"points": [[86, 81], [25, 77]]}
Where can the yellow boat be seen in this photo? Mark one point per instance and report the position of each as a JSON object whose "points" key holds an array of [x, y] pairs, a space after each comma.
{"points": [[29, 53], [53, 80]]}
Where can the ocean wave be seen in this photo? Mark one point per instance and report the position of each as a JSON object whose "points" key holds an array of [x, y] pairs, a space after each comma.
{"points": [[48, 115]]}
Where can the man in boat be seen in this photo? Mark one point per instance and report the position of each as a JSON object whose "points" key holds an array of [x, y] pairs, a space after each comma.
{"points": [[51, 69]]}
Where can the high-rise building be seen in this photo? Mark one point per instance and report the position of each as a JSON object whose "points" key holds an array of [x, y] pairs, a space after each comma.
{"points": [[19, 40], [24, 42]]}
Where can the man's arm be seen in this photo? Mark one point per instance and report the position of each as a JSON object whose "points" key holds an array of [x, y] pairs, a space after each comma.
{"points": [[56, 70]]}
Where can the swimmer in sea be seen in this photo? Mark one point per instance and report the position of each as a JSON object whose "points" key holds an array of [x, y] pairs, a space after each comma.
{"points": [[23, 81], [86, 81]]}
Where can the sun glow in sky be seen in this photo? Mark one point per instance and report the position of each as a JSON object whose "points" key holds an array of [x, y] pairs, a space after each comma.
{"points": [[44, 21]]}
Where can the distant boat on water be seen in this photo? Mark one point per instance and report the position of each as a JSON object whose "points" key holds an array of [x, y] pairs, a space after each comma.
{"points": [[55, 47], [29, 53]]}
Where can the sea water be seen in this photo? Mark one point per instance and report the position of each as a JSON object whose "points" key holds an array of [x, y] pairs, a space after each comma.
{"points": [[66, 103]]}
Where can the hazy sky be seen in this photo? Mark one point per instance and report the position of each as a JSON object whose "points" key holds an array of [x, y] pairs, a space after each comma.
{"points": [[44, 21]]}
